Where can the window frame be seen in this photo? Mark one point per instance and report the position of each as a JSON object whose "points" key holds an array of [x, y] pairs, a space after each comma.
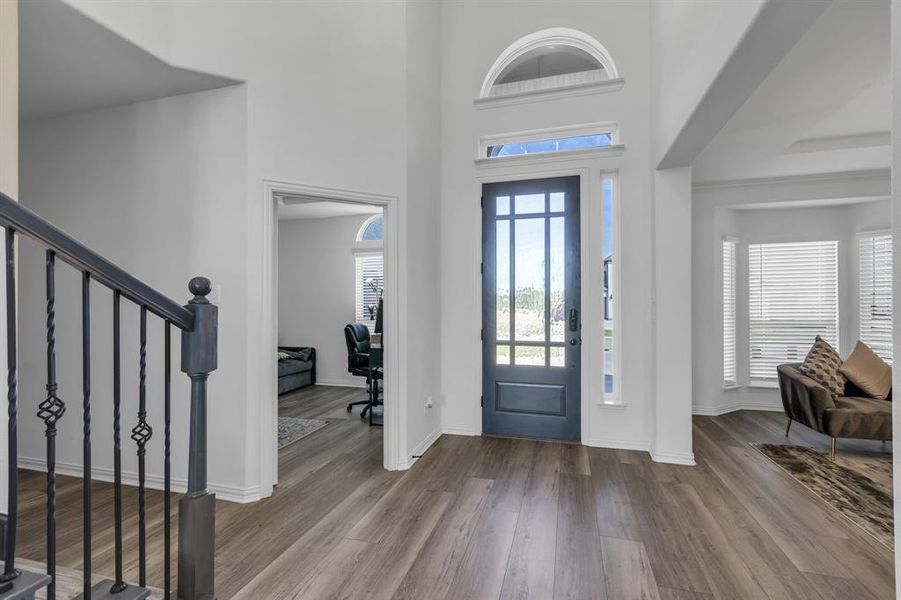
{"points": [[615, 397], [733, 242], [361, 250], [554, 133], [883, 349]]}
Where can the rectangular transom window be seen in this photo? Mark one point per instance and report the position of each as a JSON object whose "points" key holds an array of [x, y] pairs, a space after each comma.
{"points": [[729, 252], [560, 139], [875, 291], [793, 297], [370, 273]]}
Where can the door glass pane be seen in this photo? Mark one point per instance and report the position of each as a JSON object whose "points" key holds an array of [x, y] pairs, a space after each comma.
{"points": [[503, 354], [502, 277], [502, 205], [557, 204], [609, 291], [529, 280], [558, 356], [530, 355], [558, 280], [529, 203]]}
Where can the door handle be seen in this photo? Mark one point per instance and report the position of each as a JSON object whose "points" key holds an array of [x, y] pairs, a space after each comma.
{"points": [[574, 319]]}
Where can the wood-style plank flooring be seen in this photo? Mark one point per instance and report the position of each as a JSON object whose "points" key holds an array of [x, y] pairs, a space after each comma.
{"points": [[490, 518]]}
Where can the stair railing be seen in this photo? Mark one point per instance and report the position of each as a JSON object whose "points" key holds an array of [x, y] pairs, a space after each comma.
{"points": [[198, 322]]}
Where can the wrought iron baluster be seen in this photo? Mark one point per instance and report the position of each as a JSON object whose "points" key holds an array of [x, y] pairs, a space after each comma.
{"points": [[9, 543], [119, 584], [141, 434], [86, 431], [51, 411], [167, 468]]}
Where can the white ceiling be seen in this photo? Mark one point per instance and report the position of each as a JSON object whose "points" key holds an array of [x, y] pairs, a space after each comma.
{"points": [[69, 63], [290, 208], [826, 107]]}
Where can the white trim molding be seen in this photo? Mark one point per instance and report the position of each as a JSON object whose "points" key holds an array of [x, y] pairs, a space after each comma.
{"points": [[420, 449], [554, 36], [229, 493], [558, 93], [395, 418], [550, 157], [610, 128], [674, 458]]}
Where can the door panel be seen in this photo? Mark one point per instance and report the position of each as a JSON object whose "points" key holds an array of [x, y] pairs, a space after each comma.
{"points": [[531, 349]]}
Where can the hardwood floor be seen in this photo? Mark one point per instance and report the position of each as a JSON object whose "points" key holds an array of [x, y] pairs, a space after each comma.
{"points": [[490, 518]]}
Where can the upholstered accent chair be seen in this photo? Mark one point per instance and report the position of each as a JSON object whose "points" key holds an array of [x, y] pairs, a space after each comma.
{"points": [[853, 415]]}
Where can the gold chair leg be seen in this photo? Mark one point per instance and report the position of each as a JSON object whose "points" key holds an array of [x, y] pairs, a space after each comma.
{"points": [[788, 427], [833, 449]]}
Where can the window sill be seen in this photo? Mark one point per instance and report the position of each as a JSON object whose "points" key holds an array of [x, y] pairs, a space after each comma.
{"points": [[546, 157], [766, 385], [610, 403], [585, 89], [731, 386]]}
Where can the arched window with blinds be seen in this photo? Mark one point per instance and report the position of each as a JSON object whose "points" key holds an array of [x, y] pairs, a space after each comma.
{"points": [[875, 293], [793, 297]]}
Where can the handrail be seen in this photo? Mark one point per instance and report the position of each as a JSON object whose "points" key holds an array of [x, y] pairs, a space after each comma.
{"points": [[22, 220]]}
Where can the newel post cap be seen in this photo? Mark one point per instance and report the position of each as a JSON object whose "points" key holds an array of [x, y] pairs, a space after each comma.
{"points": [[199, 347]]}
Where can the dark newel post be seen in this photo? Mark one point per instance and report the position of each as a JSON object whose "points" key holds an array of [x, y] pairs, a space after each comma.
{"points": [[197, 510]]}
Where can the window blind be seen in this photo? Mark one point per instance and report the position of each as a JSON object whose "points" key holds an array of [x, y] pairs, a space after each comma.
{"points": [[369, 266], [875, 288], [729, 252], [793, 297]]}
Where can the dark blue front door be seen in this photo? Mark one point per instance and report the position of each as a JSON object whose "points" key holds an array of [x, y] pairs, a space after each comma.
{"points": [[531, 311]]}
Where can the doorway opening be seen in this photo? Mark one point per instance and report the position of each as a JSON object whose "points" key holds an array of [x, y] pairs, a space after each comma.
{"points": [[332, 325]]}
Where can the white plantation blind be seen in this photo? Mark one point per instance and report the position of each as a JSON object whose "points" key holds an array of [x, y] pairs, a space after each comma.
{"points": [[793, 297], [369, 266], [729, 252], [876, 293]]}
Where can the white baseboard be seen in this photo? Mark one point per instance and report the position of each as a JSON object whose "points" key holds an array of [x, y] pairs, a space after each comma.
{"points": [[453, 430], [155, 482], [674, 458], [617, 444], [722, 409], [340, 383], [420, 449]]}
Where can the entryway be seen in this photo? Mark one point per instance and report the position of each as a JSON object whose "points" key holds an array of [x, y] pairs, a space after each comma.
{"points": [[531, 309]]}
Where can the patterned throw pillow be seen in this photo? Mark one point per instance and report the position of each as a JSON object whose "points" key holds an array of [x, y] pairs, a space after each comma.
{"points": [[822, 365]]}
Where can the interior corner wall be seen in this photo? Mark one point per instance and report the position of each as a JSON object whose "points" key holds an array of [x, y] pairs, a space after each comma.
{"points": [[421, 260], [157, 187], [672, 441], [715, 218], [9, 171], [316, 295]]}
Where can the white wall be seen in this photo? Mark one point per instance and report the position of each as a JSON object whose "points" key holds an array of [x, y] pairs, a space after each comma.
{"points": [[157, 187], [316, 296], [330, 87], [473, 35], [9, 171], [714, 217], [691, 41]]}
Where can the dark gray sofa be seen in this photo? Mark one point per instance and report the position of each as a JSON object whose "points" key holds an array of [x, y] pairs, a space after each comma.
{"points": [[297, 371]]}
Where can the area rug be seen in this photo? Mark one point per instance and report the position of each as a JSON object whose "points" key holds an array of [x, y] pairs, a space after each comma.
{"points": [[858, 498], [291, 429]]}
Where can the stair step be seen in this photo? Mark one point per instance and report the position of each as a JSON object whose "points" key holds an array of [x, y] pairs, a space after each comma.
{"points": [[101, 591], [26, 585]]}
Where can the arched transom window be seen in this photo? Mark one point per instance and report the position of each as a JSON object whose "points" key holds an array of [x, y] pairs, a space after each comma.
{"points": [[549, 59]]}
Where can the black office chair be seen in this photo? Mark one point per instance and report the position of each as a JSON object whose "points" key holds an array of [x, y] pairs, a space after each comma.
{"points": [[356, 335]]}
